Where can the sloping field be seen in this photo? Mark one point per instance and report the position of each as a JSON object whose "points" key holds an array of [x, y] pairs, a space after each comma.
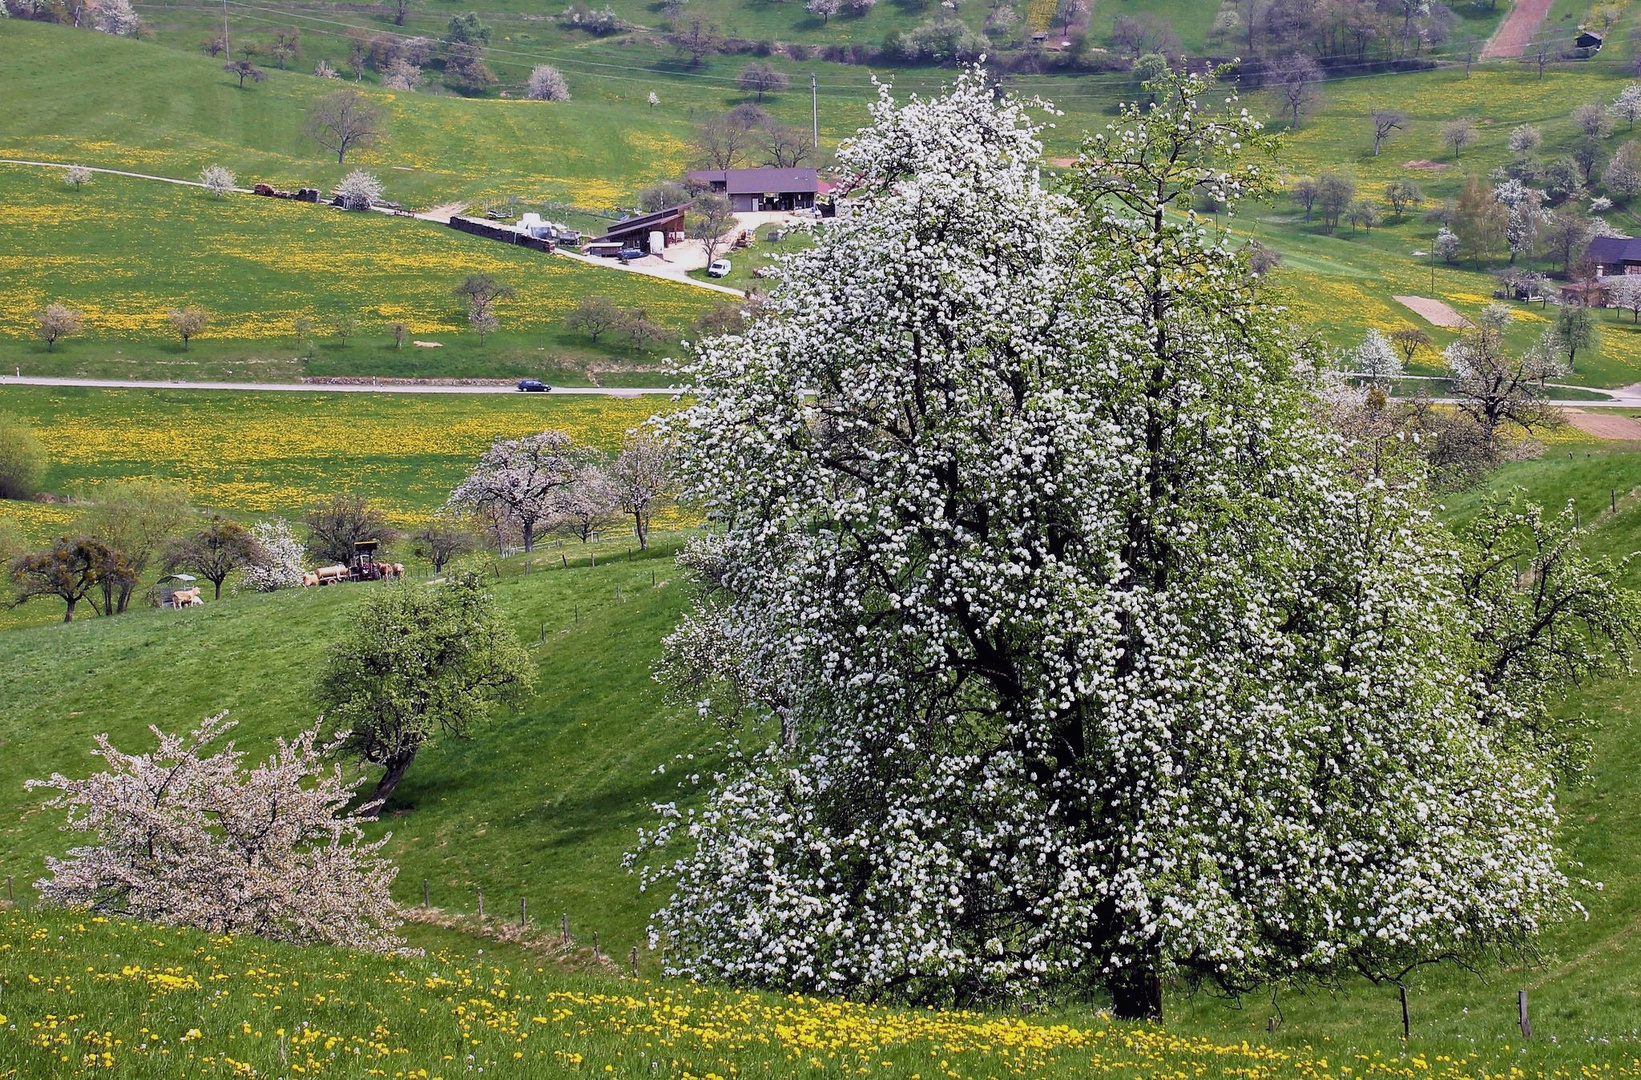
{"points": [[123, 251]]}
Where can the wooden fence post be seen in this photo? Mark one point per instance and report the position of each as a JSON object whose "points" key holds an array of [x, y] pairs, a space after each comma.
{"points": [[522, 916], [9, 897], [635, 961], [1521, 1006], [1614, 493], [563, 560], [596, 954], [1405, 1027], [481, 901], [564, 929], [424, 894]]}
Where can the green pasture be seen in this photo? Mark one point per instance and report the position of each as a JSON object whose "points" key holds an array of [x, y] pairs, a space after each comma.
{"points": [[124, 251], [542, 803], [278, 452]]}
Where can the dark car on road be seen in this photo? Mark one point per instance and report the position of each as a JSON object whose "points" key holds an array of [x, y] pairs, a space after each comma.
{"points": [[627, 255], [535, 386]]}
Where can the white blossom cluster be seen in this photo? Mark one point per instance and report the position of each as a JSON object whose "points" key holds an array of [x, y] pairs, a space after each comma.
{"points": [[1056, 648], [522, 483], [192, 839], [279, 558]]}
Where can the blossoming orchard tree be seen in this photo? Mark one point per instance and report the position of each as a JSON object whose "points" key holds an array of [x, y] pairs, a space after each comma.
{"points": [[521, 479], [1058, 651], [194, 839]]}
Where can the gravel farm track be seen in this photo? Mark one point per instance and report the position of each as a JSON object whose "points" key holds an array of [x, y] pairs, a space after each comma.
{"points": [[1510, 39]]}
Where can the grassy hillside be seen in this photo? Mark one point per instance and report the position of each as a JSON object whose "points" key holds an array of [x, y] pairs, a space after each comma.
{"points": [[124, 251], [542, 804]]}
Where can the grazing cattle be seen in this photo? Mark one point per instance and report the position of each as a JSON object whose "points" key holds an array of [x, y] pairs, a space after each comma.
{"points": [[187, 598]]}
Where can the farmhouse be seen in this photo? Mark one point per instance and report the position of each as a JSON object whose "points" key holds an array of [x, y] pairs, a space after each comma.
{"points": [[753, 190], [651, 232], [1615, 255]]}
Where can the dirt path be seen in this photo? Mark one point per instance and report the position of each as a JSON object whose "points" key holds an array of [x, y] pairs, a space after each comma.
{"points": [[1604, 425], [1435, 312], [1510, 39]]}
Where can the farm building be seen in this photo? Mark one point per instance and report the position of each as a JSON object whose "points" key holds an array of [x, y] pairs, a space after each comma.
{"points": [[651, 232], [1615, 255], [1588, 43], [752, 190]]}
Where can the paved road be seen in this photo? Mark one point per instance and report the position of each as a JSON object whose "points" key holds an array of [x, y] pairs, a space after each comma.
{"points": [[113, 172], [324, 388]]}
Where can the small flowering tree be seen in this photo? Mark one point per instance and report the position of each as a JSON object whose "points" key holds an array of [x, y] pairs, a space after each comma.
{"points": [[359, 190], [76, 176], [520, 479], [117, 17], [277, 561], [1059, 651], [641, 477], [195, 839], [547, 84], [1375, 358], [217, 179]]}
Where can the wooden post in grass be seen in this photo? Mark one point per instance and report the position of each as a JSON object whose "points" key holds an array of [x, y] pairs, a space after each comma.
{"points": [[1403, 988], [523, 918], [481, 901], [1614, 493], [635, 961], [592, 558], [1521, 1006], [564, 560], [424, 894], [652, 579], [595, 945], [9, 897], [564, 929]]}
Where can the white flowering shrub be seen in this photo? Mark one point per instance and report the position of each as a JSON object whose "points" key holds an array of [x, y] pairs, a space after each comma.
{"points": [[547, 84], [117, 17], [217, 179], [278, 564], [359, 190], [76, 176], [1056, 648], [194, 839]]}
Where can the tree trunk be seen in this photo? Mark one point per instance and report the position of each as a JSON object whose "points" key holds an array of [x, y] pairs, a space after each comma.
{"points": [[529, 536], [638, 527], [396, 769], [68, 616], [1136, 995], [218, 584]]}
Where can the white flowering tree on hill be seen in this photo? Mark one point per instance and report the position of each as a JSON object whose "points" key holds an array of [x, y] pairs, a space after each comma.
{"points": [[194, 839], [1058, 652], [521, 481]]}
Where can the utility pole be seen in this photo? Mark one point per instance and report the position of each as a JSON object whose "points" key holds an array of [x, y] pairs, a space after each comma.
{"points": [[814, 107]]}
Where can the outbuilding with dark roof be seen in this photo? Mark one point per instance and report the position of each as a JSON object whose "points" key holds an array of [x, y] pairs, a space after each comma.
{"points": [[754, 190], [1615, 255]]}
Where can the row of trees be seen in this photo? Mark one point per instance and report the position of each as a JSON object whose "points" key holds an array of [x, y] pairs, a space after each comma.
{"points": [[523, 488], [58, 320]]}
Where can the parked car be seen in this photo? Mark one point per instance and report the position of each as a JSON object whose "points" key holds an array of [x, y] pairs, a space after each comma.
{"points": [[534, 386], [627, 255], [719, 268]]}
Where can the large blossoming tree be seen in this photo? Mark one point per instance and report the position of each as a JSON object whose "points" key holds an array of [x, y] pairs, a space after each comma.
{"points": [[1059, 652]]}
